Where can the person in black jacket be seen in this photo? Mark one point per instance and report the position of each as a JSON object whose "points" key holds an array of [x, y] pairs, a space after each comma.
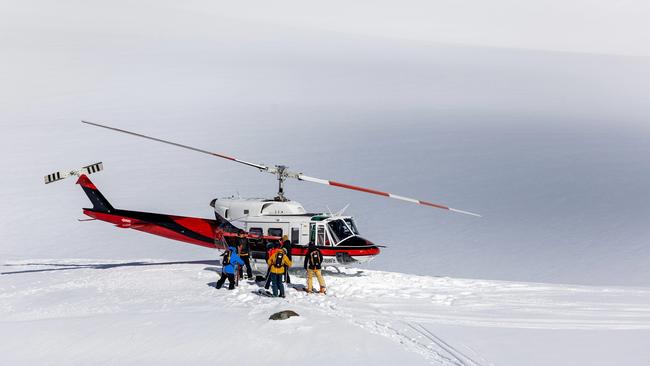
{"points": [[244, 254], [313, 262], [286, 246]]}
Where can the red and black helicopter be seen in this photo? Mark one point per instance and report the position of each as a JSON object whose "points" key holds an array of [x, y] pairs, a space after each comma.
{"points": [[258, 220]]}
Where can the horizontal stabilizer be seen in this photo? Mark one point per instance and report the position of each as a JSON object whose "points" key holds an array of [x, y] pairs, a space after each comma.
{"points": [[88, 169]]}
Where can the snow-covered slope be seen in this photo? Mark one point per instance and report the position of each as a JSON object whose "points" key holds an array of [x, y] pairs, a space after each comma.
{"points": [[551, 147], [99, 312]]}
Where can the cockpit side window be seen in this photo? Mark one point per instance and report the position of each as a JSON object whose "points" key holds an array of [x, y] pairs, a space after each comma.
{"points": [[351, 225], [339, 230]]}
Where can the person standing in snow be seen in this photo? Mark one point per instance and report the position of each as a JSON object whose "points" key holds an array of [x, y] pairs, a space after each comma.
{"points": [[244, 253], [286, 246], [271, 248], [313, 261], [278, 263], [228, 262]]}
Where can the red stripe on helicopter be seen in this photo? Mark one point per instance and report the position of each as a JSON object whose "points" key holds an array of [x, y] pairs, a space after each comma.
{"points": [[130, 223], [201, 226], [433, 205], [357, 188], [332, 252]]}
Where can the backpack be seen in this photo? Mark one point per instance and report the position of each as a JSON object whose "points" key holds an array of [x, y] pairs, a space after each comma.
{"points": [[226, 258], [314, 259], [279, 258]]}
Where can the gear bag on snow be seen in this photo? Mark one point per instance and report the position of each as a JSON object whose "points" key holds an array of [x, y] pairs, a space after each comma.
{"points": [[226, 258], [278, 259]]}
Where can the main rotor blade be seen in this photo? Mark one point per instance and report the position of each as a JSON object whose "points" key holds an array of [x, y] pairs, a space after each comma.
{"points": [[283, 173], [380, 193], [258, 166]]}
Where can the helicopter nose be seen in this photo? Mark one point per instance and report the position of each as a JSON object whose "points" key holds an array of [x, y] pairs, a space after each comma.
{"points": [[362, 249], [373, 248]]}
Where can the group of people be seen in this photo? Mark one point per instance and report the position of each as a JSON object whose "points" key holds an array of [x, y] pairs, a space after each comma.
{"points": [[279, 260]]}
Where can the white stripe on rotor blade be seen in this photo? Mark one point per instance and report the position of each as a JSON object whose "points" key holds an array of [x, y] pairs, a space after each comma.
{"points": [[403, 198], [314, 180], [258, 166], [464, 212]]}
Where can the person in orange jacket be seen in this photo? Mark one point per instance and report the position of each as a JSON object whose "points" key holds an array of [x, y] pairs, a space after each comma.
{"points": [[278, 263], [271, 247]]}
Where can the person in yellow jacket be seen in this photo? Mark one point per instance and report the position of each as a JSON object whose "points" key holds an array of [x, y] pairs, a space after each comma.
{"points": [[278, 262]]}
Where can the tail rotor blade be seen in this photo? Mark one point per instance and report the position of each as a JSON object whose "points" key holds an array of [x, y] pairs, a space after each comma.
{"points": [[92, 168], [88, 169], [55, 177]]}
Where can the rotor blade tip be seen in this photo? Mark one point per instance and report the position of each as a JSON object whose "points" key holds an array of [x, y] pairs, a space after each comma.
{"points": [[465, 212]]}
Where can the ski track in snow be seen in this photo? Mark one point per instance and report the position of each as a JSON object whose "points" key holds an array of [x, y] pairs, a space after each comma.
{"points": [[401, 307]]}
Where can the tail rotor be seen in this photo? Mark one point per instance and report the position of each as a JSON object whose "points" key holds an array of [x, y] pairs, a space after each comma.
{"points": [[88, 169]]}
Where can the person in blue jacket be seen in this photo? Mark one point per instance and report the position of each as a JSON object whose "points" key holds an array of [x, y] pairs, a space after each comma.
{"points": [[228, 261]]}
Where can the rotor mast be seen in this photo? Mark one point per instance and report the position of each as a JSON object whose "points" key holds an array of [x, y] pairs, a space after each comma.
{"points": [[281, 178], [282, 173]]}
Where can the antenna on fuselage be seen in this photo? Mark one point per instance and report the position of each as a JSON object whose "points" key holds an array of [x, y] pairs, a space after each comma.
{"points": [[282, 173], [341, 211]]}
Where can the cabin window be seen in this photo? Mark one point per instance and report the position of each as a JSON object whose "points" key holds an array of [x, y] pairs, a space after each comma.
{"points": [[245, 212], [256, 231], [295, 235], [274, 231], [320, 237], [225, 214]]}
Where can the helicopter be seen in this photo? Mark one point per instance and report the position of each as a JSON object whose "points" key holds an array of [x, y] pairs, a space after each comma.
{"points": [[257, 220]]}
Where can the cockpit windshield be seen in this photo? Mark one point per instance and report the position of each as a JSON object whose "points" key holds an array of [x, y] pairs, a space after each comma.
{"points": [[351, 224], [342, 229]]}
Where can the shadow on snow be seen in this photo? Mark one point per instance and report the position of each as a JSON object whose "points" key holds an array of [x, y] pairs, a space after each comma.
{"points": [[72, 266]]}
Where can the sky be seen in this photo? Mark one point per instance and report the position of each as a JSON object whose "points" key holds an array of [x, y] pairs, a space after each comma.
{"points": [[534, 115], [588, 26]]}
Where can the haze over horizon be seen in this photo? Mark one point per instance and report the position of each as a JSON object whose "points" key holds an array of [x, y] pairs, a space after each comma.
{"points": [[550, 146]]}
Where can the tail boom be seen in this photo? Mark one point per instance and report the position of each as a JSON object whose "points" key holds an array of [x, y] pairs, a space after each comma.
{"points": [[192, 230]]}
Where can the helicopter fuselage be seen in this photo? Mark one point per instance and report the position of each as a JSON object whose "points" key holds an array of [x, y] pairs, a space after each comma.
{"points": [[335, 235]]}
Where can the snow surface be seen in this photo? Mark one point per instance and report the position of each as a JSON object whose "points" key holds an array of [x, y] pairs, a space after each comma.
{"points": [[98, 312], [551, 147]]}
